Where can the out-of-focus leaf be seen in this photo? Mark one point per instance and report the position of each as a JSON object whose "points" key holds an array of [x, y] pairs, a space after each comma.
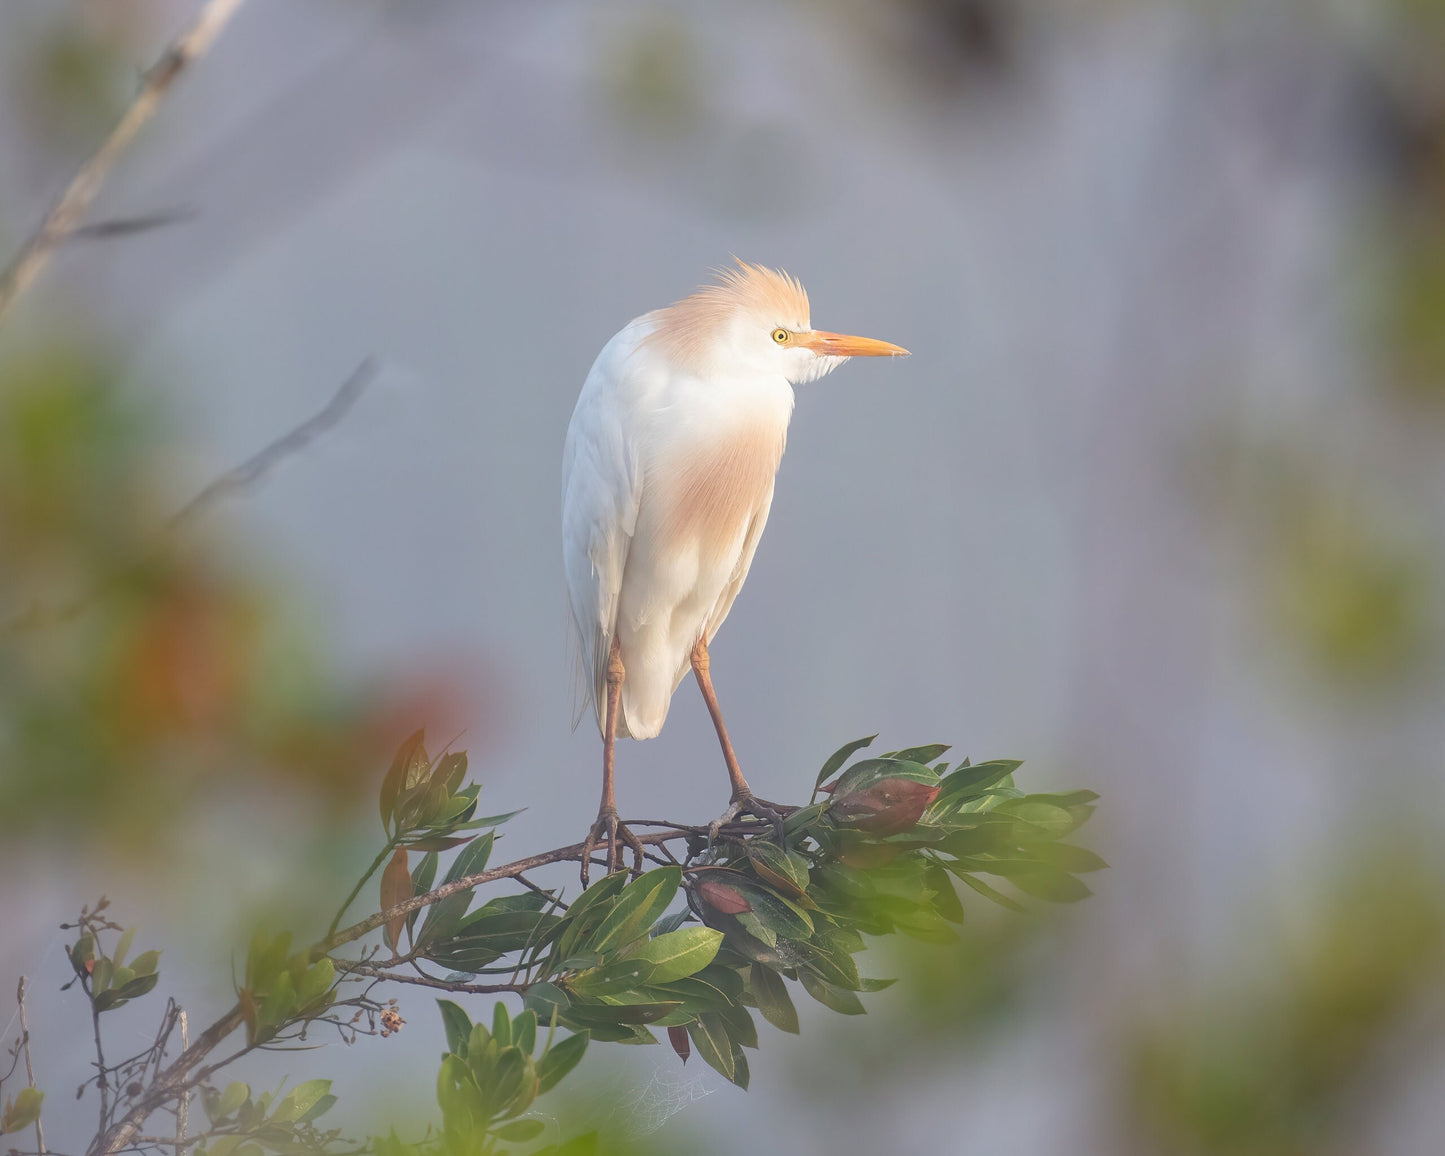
{"points": [[22, 1111], [983, 888], [458, 1026], [472, 860], [560, 1059], [830, 995], [945, 898], [519, 1131], [300, 1100], [1076, 860], [406, 767], [395, 889]]}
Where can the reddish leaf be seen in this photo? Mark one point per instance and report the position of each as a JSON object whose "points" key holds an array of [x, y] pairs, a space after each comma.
{"points": [[395, 888], [888, 807], [404, 774], [677, 1037], [722, 897]]}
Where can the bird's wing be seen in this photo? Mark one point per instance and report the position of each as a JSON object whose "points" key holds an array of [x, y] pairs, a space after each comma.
{"points": [[740, 570], [601, 494]]}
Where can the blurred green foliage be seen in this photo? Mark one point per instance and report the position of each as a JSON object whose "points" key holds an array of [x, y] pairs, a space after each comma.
{"points": [[134, 667], [1278, 1058]]}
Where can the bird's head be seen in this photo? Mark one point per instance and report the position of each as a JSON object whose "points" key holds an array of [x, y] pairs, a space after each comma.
{"points": [[755, 321]]}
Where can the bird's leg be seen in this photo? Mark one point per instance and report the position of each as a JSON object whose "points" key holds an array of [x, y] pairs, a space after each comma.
{"points": [[743, 799], [607, 820]]}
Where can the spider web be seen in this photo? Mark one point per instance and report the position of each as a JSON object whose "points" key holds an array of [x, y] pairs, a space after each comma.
{"points": [[644, 1110]]}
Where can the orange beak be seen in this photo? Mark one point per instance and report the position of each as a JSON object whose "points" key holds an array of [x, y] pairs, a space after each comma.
{"points": [[827, 344]]}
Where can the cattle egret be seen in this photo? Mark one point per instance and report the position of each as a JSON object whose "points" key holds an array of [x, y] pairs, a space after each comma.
{"points": [[667, 477]]}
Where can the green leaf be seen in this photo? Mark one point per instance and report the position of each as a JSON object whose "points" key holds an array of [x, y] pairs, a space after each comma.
{"points": [[830, 995], [1053, 821], [471, 861], [22, 1111], [1051, 883], [709, 1036], [588, 910], [300, 1100], [501, 1024], [133, 989], [770, 992], [623, 975], [451, 770], [421, 881], [785, 870], [679, 954], [458, 1026], [640, 905], [546, 998], [146, 962], [123, 947], [524, 1031], [560, 1059], [838, 758], [984, 889], [519, 1131], [925, 754], [864, 774], [227, 1102], [1073, 859], [967, 781], [945, 898]]}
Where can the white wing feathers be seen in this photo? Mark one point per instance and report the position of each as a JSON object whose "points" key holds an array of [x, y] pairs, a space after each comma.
{"points": [[601, 494]]}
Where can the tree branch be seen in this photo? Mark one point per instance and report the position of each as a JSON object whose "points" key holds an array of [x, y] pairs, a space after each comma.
{"points": [[66, 213], [29, 1067], [229, 484]]}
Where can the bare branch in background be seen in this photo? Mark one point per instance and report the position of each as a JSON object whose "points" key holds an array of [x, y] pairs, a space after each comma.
{"points": [[251, 471], [29, 1066], [229, 484], [65, 214], [128, 226]]}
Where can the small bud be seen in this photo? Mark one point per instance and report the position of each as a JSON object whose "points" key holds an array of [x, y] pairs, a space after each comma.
{"points": [[887, 807]]}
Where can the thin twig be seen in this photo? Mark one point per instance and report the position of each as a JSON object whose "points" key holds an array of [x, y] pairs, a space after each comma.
{"points": [[66, 213], [251, 471], [423, 980], [247, 474], [29, 1067], [186, 1071], [184, 1107]]}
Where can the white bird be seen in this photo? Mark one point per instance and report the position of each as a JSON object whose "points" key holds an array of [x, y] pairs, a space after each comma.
{"points": [[667, 478]]}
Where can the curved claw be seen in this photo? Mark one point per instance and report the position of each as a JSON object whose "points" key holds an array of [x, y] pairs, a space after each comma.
{"points": [[618, 837], [750, 804]]}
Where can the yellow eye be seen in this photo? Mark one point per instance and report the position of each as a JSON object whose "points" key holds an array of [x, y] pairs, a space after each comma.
{"points": [[782, 336]]}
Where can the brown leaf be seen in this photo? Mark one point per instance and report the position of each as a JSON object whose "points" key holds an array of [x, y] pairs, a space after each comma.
{"points": [[677, 1037], [888, 807], [721, 897], [395, 888]]}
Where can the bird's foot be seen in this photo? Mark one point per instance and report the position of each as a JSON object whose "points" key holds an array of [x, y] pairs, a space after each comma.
{"points": [[617, 836], [747, 803]]}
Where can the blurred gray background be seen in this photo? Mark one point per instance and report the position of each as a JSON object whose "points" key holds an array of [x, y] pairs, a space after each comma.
{"points": [[1156, 504]]}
